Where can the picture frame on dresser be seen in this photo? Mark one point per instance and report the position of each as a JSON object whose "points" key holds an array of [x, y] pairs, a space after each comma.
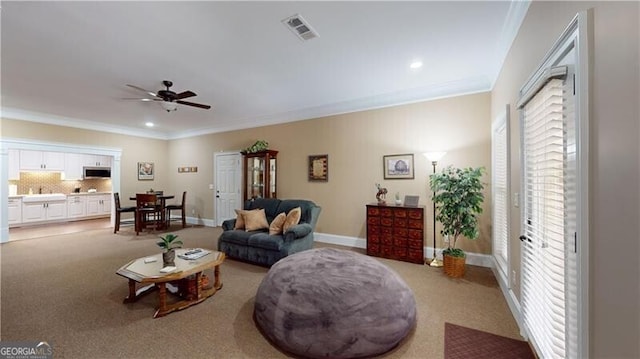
{"points": [[411, 201], [398, 166]]}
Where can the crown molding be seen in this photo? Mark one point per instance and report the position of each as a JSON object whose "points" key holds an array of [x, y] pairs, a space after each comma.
{"points": [[515, 16], [39, 117], [419, 94]]}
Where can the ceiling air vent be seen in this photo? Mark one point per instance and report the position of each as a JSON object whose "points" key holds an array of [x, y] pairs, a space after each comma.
{"points": [[300, 27]]}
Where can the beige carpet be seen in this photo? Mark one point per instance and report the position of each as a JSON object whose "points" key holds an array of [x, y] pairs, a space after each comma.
{"points": [[63, 289]]}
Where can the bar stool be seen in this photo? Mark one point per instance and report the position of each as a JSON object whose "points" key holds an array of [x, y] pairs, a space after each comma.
{"points": [[177, 207], [147, 212], [120, 210]]}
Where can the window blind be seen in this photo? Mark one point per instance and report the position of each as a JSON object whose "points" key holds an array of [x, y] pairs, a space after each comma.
{"points": [[544, 253], [500, 194]]}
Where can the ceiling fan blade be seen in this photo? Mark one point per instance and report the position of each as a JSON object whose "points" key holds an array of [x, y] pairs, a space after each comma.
{"points": [[206, 107], [140, 99], [141, 89], [185, 94]]}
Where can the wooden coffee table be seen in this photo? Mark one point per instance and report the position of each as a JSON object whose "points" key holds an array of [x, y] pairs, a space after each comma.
{"points": [[185, 281]]}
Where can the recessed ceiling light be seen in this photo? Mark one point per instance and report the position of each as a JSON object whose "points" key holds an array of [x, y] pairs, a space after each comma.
{"points": [[149, 124], [416, 65]]}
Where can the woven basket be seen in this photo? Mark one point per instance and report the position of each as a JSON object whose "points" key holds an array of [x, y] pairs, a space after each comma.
{"points": [[187, 286], [454, 266]]}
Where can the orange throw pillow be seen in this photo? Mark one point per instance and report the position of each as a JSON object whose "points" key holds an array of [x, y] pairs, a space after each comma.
{"points": [[277, 223], [240, 218], [293, 217], [254, 220]]}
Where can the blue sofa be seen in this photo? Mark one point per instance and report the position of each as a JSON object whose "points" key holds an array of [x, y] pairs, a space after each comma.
{"points": [[261, 248]]}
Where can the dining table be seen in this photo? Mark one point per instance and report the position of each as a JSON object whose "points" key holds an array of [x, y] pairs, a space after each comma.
{"points": [[162, 198]]}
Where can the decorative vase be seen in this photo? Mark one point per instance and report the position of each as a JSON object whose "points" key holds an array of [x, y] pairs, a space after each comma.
{"points": [[453, 266], [168, 257]]}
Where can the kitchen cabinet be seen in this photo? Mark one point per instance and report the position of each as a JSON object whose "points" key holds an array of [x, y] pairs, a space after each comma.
{"points": [[96, 161], [259, 175], [44, 211], [14, 164], [15, 211], [41, 161], [76, 206], [99, 205], [73, 163]]}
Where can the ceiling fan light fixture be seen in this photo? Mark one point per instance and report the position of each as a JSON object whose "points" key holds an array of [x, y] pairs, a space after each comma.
{"points": [[169, 106]]}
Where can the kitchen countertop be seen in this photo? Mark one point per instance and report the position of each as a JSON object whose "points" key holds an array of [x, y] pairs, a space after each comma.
{"points": [[69, 194]]}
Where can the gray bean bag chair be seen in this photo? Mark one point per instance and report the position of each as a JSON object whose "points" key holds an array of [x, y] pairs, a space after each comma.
{"points": [[330, 303]]}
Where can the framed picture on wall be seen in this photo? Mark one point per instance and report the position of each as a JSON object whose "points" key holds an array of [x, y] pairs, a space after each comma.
{"points": [[398, 166], [319, 168], [145, 171]]}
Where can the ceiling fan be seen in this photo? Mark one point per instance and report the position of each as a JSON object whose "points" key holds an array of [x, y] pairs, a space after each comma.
{"points": [[168, 98]]}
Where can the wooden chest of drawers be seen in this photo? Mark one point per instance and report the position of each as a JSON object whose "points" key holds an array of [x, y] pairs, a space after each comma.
{"points": [[395, 232]]}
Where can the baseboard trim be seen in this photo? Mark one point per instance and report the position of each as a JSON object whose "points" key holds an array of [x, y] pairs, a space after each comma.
{"points": [[510, 297], [200, 221], [340, 240], [476, 259]]}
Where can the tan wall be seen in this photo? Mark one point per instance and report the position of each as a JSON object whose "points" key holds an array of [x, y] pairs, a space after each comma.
{"points": [[355, 144], [614, 288]]}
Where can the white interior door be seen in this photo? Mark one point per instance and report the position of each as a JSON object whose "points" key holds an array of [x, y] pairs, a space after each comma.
{"points": [[228, 182]]}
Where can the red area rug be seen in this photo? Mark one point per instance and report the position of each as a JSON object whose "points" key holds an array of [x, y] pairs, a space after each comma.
{"points": [[465, 343]]}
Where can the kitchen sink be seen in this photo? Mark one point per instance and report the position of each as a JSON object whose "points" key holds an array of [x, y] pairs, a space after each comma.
{"points": [[44, 197]]}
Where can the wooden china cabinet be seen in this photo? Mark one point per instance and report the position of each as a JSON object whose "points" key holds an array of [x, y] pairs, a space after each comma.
{"points": [[259, 175]]}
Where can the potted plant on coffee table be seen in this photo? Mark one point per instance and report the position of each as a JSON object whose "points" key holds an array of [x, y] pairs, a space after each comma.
{"points": [[458, 198], [169, 243]]}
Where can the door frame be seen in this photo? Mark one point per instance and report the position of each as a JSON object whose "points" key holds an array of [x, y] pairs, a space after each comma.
{"points": [[579, 34]]}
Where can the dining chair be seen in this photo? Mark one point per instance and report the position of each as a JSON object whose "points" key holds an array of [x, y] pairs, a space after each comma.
{"points": [[148, 213], [120, 210], [178, 207]]}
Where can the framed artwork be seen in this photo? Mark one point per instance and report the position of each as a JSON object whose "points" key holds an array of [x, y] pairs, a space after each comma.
{"points": [[187, 169], [398, 166], [145, 171], [318, 168], [411, 201]]}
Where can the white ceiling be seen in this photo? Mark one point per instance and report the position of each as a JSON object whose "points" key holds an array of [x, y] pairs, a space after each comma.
{"points": [[68, 62]]}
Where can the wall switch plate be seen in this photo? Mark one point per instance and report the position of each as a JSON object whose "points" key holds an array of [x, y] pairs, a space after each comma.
{"points": [[516, 199], [210, 186], [514, 278]]}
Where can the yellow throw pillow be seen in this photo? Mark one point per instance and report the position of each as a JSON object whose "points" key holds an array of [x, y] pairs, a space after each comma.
{"points": [[293, 217], [276, 224], [240, 218], [254, 220]]}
